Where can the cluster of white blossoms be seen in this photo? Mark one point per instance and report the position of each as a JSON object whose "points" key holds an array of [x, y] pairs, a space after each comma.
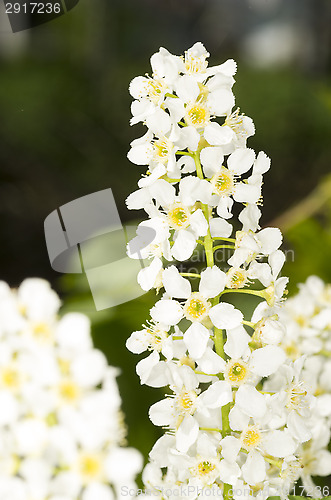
{"points": [[229, 423], [62, 434], [308, 334]]}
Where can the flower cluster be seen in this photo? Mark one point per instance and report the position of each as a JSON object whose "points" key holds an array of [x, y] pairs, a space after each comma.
{"points": [[61, 427], [308, 319], [225, 427]]}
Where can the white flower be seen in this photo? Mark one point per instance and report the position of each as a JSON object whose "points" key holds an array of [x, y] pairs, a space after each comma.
{"points": [[60, 419]]}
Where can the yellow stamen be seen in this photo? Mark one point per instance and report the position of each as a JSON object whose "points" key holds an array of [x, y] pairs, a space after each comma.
{"points": [[196, 307]]}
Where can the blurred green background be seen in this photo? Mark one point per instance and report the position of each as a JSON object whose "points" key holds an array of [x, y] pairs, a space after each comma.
{"points": [[64, 133]]}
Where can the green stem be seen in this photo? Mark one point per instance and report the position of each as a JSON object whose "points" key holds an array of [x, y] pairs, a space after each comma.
{"points": [[183, 153], [232, 240], [226, 429], [218, 334], [258, 293], [227, 491], [210, 429], [249, 323], [223, 246], [192, 275], [219, 342], [323, 352]]}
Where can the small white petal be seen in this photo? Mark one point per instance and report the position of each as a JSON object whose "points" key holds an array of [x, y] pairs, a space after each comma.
{"points": [[266, 360], [230, 447], [174, 284], [160, 413], [167, 312], [147, 276], [196, 338], [218, 135], [199, 223], [212, 282], [220, 101], [236, 344], [241, 160], [229, 472], [217, 395], [250, 401], [254, 469], [159, 122], [184, 245], [271, 238], [279, 444], [262, 163], [187, 433], [220, 228], [225, 316]]}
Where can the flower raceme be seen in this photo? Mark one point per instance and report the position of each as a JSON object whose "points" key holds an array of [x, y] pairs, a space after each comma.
{"points": [[236, 416], [61, 428]]}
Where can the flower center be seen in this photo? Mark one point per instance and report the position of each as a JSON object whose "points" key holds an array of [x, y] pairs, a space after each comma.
{"points": [[236, 372], [185, 402], [236, 123], [195, 65], [205, 467], [42, 331], [296, 397], [10, 377], [161, 150], [154, 89], [197, 115], [291, 471], [292, 351], [69, 391], [196, 307], [178, 216], [250, 438], [223, 182], [236, 278], [90, 466], [156, 337]]}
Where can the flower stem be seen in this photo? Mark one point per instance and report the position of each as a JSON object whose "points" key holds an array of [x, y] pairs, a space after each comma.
{"points": [[218, 334], [210, 429], [191, 275], [258, 293], [223, 246]]}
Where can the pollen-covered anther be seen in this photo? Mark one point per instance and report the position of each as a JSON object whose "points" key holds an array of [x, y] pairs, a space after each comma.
{"points": [[69, 391], [178, 216], [250, 438], [292, 351], [223, 182], [42, 331], [195, 65], [297, 396], [236, 278], [197, 115], [291, 470], [236, 372], [185, 402], [236, 123], [196, 307], [10, 378], [161, 150], [90, 466], [155, 88], [156, 337]]}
